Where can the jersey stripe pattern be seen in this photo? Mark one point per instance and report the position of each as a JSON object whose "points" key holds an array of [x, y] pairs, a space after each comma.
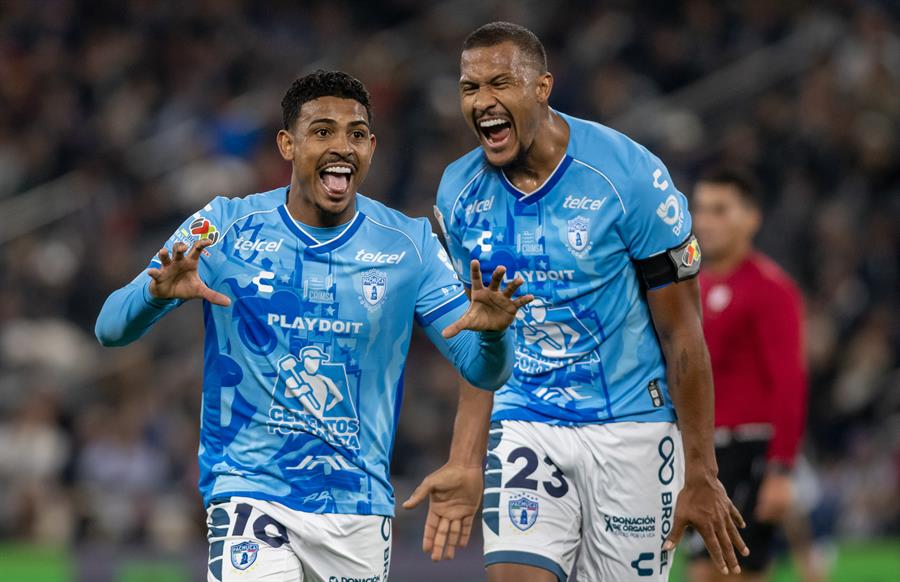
{"points": [[586, 350]]}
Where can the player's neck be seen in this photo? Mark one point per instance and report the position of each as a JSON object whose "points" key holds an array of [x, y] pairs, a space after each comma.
{"points": [[546, 151], [726, 265], [304, 210]]}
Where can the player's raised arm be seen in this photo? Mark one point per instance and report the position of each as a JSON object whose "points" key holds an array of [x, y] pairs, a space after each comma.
{"points": [[172, 278]]}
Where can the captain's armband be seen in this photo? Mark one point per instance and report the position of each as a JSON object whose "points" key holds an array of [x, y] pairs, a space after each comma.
{"points": [[674, 265]]}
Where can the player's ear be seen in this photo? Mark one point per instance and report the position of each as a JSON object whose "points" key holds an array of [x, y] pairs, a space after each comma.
{"points": [[544, 87], [373, 142], [285, 143]]}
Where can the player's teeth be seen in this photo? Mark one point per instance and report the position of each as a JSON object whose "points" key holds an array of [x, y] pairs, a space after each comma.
{"points": [[492, 122], [338, 170]]}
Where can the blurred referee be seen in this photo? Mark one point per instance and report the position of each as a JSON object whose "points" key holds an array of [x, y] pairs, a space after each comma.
{"points": [[752, 319]]}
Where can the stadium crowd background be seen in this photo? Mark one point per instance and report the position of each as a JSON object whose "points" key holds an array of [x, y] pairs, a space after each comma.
{"points": [[119, 119]]}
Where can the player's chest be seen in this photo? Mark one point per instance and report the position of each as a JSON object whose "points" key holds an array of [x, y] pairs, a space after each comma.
{"points": [[566, 234], [273, 265]]}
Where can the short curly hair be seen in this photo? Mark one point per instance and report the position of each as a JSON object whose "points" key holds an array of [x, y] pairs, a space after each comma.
{"points": [[322, 83], [495, 33]]}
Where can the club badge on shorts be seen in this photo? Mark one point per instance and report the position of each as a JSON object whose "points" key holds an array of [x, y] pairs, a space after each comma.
{"points": [[244, 554], [523, 511]]}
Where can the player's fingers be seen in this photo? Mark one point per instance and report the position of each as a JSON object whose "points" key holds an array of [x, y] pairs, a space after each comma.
{"points": [[712, 546], [431, 525], [513, 286], [178, 250], [523, 301], [418, 496], [215, 297], [466, 531], [164, 257], [475, 275], [727, 546], [440, 539], [454, 328], [198, 247], [154, 274], [736, 516], [497, 278], [455, 531], [678, 525], [736, 540]]}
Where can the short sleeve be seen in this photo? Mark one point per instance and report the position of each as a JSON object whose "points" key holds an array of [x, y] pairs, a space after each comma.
{"points": [[206, 223], [440, 290], [656, 215]]}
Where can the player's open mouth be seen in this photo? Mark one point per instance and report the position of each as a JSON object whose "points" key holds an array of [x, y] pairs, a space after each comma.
{"points": [[496, 131], [335, 179]]}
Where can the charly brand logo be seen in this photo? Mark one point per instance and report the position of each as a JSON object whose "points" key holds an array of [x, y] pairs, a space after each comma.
{"points": [[264, 276], [640, 569], [577, 236], [374, 284], [523, 511], [243, 555]]}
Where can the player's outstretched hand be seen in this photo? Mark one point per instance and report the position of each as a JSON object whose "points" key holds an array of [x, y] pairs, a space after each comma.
{"points": [[491, 309], [178, 278], [704, 505], [454, 494]]}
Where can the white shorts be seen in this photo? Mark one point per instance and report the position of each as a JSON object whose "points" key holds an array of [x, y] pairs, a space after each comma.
{"points": [[262, 541], [603, 492]]}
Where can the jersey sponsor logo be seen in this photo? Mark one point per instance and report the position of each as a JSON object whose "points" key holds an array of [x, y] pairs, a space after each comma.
{"points": [[258, 246], [640, 526], [549, 338], [479, 206], [541, 276], [523, 510], [530, 242], [244, 554], [577, 238], [666, 474], [666, 451], [670, 212], [379, 258], [316, 399], [264, 276], [319, 289], [328, 463], [665, 526], [584, 203], [318, 324], [374, 283]]}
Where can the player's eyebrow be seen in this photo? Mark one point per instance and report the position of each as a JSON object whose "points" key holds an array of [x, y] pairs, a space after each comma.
{"points": [[359, 122], [326, 120]]}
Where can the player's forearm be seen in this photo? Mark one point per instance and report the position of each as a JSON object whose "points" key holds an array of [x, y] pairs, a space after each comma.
{"points": [[691, 387], [485, 358], [470, 429], [128, 313]]}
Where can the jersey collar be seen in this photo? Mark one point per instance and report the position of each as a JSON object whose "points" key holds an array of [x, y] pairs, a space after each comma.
{"points": [[544, 189], [311, 243]]}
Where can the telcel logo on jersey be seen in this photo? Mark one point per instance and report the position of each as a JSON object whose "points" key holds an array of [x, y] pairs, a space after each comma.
{"points": [[479, 206], [259, 246], [379, 258], [583, 203]]}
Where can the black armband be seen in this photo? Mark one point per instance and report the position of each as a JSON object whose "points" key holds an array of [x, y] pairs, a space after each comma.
{"points": [[674, 265]]}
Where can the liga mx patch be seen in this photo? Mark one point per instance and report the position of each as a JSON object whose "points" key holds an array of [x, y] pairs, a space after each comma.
{"points": [[523, 511], [244, 554], [202, 229]]}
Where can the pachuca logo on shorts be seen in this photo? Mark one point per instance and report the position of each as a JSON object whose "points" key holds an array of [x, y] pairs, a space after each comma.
{"points": [[244, 554], [523, 511]]}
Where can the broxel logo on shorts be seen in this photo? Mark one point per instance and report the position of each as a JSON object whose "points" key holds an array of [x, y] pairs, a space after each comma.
{"points": [[666, 475]]}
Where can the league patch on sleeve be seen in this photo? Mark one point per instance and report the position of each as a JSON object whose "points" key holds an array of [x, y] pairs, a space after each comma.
{"points": [[686, 259]]}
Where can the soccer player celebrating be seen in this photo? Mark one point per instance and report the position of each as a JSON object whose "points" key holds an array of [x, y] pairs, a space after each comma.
{"points": [[754, 328], [584, 451], [309, 293]]}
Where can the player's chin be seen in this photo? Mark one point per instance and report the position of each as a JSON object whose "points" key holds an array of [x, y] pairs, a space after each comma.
{"points": [[500, 157]]}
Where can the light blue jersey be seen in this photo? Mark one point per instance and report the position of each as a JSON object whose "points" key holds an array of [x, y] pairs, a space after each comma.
{"points": [[303, 372], [586, 349]]}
